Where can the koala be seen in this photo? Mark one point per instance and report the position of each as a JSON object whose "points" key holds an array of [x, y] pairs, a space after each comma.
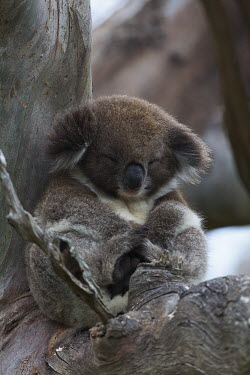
{"points": [[117, 163]]}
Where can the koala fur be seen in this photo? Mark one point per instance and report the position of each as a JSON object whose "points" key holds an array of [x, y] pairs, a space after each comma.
{"points": [[117, 164]]}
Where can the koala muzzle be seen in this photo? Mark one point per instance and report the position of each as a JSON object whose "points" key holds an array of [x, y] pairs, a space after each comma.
{"points": [[133, 177]]}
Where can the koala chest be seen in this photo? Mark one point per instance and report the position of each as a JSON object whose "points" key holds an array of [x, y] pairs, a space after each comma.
{"points": [[135, 212]]}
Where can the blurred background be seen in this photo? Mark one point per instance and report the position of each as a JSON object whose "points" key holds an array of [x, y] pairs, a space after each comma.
{"points": [[191, 57]]}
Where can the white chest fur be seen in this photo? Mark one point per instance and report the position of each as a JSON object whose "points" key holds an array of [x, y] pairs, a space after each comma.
{"points": [[135, 211], [130, 210]]}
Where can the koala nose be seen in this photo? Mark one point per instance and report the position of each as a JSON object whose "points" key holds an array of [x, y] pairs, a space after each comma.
{"points": [[133, 176]]}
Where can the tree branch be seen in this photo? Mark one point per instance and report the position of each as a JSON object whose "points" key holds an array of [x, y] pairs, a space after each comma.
{"points": [[172, 330], [64, 259]]}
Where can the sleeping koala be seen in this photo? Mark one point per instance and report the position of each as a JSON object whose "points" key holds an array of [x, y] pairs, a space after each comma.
{"points": [[117, 163]]}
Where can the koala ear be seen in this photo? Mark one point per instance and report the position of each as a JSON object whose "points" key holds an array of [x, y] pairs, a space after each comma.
{"points": [[70, 138], [192, 154]]}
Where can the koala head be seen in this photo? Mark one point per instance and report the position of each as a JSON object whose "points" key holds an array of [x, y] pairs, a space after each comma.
{"points": [[127, 147]]}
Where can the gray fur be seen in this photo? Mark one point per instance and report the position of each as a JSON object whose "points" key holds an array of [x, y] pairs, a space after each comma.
{"points": [[114, 228]]}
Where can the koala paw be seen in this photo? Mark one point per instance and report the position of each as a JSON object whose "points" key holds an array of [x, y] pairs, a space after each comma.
{"points": [[173, 264], [127, 263], [157, 256]]}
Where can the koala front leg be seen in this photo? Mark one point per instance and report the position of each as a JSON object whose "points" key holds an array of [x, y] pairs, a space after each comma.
{"points": [[174, 227], [113, 261]]}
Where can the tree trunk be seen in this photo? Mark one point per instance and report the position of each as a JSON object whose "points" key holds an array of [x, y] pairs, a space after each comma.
{"points": [[44, 69], [237, 113]]}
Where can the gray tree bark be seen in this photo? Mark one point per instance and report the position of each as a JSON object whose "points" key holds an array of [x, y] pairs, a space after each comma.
{"points": [[232, 77], [44, 69], [169, 331]]}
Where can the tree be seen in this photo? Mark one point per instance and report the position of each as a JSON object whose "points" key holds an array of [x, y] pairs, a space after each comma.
{"points": [[45, 68], [237, 113], [170, 329]]}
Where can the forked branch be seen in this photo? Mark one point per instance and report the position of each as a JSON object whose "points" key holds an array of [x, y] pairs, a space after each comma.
{"points": [[59, 249]]}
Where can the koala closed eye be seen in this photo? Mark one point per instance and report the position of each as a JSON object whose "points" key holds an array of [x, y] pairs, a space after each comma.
{"points": [[108, 157], [154, 162]]}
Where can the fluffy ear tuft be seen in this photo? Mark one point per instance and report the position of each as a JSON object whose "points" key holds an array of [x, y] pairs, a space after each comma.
{"points": [[191, 152], [70, 137]]}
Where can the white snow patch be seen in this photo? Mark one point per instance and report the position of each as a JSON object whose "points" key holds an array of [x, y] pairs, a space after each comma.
{"points": [[228, 251]]}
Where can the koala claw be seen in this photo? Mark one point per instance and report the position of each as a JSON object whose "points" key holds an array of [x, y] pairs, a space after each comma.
{"points": [[166, 261]]}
